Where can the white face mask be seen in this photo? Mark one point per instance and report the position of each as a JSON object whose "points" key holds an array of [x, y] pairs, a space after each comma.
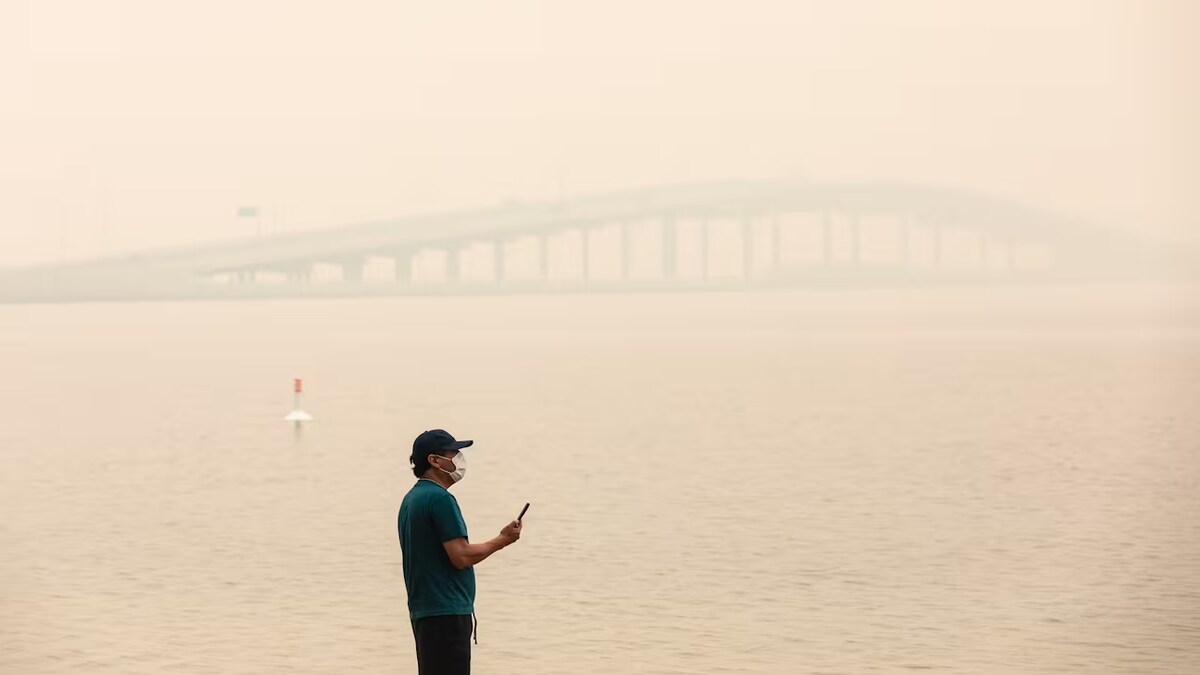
{"points": [[460, 467]]}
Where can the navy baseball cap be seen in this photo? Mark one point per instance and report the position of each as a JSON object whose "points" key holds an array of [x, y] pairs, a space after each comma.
{"points": [[434, 441]]}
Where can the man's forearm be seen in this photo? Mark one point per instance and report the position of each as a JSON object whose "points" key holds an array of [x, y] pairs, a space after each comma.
{"points": [[477, 553]]}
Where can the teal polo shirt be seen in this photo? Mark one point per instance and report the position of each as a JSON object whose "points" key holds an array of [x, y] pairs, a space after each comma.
{"points": [[429, 515]]}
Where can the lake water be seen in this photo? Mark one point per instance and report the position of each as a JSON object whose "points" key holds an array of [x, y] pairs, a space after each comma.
{"points": [[954, 481]]}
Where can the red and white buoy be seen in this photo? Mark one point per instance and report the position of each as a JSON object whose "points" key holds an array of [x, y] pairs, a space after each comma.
{"points": [[298, 415]]}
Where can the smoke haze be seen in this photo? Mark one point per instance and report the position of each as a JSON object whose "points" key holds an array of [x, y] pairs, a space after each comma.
{"points": [[131, 123]]}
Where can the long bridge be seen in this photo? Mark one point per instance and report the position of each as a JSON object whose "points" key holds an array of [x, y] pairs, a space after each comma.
{"points": [[709, 236]]}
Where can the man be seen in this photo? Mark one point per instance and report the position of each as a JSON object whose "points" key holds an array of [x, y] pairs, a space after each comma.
{"points": [[439, 559]]}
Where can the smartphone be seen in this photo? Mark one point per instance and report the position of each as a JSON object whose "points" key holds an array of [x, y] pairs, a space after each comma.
{"points": [[523, 512]]}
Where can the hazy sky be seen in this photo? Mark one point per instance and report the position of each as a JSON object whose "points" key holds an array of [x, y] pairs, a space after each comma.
{"points": [[132, 123]]}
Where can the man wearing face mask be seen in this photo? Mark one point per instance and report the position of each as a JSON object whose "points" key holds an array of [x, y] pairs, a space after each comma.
{"points": [[438, 557]]}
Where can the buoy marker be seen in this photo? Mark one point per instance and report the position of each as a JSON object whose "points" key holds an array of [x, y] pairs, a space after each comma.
{"points": [[297, 415]]}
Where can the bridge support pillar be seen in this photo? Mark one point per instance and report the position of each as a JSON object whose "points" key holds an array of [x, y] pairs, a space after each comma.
{"points": [[747, 248], [855, 240], [585, 255], [498, 261], [826, 238], [668, 248], [776, 250], [544, 256], [626, 250]]}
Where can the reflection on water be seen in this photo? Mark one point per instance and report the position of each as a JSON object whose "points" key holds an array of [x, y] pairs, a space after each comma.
{"points": [[777, 484]]}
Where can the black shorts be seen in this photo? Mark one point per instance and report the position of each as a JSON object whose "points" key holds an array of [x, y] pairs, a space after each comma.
{"points": [[443, 644]]}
